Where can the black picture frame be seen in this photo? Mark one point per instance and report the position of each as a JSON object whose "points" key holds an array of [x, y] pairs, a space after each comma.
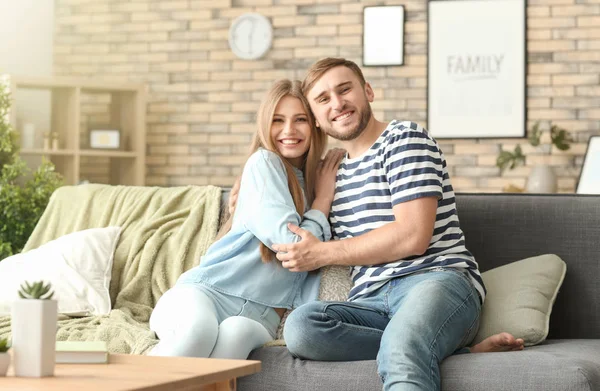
{"points": [[473, 128], [378, 20]]}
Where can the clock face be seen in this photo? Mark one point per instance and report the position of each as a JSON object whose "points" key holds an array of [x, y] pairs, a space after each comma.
{"points": [[250, 36]]}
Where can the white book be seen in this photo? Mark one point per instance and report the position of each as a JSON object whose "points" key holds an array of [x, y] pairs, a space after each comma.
{"points": [[81, 352]]}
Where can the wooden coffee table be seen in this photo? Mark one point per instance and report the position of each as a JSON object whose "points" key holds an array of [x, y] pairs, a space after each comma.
{"points": [[129, 372]]}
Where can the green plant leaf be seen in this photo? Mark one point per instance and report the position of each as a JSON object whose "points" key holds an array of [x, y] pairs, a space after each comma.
{"points": [[36, 290], [510, 160], [535, 135], [503, 160], [4, 346], [561, 138]]}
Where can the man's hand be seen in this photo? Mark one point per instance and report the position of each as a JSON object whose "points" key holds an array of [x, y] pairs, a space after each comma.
{"points": [[303, 256], [326, 173], [233, 196]]}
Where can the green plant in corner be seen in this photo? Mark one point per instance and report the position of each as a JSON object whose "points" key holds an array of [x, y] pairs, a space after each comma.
{"points": [[4, 346], [559, 138], [23, 194], [36, 291]]}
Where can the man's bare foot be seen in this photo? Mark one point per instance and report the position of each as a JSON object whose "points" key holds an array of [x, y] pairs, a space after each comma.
{"points": [[502, 342]]}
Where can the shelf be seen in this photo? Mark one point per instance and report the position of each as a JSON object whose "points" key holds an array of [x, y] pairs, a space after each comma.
{"points": [[66, 82], [126, 112], [107, 153], [48, 152], [82, 152]]}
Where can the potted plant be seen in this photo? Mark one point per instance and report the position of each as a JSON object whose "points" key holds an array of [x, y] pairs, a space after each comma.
{"points": [[33, 325], [4, 356], [542, 178], [24, 194]]}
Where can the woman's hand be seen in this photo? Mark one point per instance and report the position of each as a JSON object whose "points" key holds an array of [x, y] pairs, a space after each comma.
{"points": [[325, 181]]}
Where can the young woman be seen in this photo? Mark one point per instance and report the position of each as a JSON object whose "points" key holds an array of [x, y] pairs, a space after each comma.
{"points": [[233, 301]]}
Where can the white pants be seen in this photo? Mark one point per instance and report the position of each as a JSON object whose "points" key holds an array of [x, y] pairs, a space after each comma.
{"points": [[195, 321]]}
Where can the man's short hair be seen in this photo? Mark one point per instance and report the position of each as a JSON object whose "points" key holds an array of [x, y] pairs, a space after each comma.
{"points": [[319, 68]]}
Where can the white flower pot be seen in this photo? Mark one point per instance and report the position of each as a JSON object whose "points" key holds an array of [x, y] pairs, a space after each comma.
{"points": [[33, 327], [4, 363], [542, 180]]}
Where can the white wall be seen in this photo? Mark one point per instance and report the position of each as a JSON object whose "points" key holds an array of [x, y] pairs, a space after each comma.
{"points": [[26, 47]]}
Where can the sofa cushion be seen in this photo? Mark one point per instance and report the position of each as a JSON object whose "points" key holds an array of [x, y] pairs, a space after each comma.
{"points": [[78, 266], [520, 297], [552, 366]]}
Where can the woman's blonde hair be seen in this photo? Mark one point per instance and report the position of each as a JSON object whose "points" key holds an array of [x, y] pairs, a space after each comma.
{"points": [[262, 139]]}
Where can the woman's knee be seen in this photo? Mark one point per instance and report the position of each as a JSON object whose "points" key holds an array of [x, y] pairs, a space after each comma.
{"points": [[238, 336], [239, 329], [185, 313]]}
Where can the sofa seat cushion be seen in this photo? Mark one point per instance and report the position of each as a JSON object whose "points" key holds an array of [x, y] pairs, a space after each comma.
{"points": [[553, 365]]}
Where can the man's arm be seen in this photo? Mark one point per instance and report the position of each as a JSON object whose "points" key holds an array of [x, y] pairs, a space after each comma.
{"points": [[410, 234]]}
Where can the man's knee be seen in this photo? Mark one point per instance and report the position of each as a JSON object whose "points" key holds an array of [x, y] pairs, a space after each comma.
{"points": [[300, 328]]}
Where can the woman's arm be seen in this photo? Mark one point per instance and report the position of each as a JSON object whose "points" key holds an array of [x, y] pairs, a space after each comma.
{"points": [[265, 205]]}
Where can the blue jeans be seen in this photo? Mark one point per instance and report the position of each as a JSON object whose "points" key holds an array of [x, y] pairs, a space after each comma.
{"points": [[410, 325]]}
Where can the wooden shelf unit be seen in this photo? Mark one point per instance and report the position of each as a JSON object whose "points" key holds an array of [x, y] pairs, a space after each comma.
{"points": [[127, 166]]}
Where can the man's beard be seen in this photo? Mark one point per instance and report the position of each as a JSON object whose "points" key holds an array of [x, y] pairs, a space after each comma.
{"points": [[365, 116]]}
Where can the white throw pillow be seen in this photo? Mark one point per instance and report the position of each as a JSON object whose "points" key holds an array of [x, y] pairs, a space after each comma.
{"points": [[78, 266]]}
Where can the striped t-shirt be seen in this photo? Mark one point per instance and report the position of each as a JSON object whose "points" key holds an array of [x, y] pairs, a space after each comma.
{"points": [[404, 164]]}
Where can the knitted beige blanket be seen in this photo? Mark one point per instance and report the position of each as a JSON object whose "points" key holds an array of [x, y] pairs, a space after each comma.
{"points": [[164, 232]]}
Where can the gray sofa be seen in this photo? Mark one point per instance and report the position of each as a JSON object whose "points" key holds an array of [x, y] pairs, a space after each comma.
{"points": [[499, 229]]}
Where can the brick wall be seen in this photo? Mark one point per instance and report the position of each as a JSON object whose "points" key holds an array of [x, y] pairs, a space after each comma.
{"points": [[202, 99]]}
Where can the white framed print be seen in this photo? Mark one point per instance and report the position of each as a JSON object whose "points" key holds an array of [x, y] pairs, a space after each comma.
{"points": [[476, 76], [383, 35], [105, 138], [589, 178]]}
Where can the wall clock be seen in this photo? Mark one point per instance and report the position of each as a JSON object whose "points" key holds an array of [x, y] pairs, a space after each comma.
{"points": [[250, 36]]}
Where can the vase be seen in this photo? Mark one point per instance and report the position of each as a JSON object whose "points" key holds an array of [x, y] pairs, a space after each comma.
{"points": [[33, 326], [541, 180], [4, 363]]}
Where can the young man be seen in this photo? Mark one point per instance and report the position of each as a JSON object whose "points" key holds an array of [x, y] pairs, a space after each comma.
{"points": [[417, 291]]}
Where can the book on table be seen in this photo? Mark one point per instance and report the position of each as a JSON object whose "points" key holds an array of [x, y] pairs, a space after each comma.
{"points": [[81, 352]]}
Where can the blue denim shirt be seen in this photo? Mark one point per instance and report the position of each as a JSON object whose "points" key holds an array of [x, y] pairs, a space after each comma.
{"points": [[232, 265]]}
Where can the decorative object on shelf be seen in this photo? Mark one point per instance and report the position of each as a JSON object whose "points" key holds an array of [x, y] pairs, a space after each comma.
{"points": [[383, 35], [589, 178], [55, 145], [4, 356], [542, 178], [23, 194], [47, 141], [28, 136], [103, 138], [33, 326], [250, 36], [476, 69]]}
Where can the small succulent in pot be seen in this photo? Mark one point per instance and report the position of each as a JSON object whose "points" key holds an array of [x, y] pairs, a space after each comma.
{"points": [[36, 291]]}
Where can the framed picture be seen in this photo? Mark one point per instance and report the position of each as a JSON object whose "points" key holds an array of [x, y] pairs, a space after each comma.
{"points": [[476, 85], [589, 178], [383, 35], [105, 138]]}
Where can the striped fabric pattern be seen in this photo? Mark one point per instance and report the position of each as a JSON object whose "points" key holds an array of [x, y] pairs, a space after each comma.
{"points": [[404, 164]]}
